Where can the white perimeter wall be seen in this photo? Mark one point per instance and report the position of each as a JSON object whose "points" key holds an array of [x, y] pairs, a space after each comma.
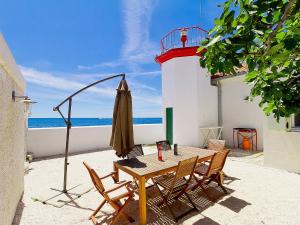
{"points": [[186, 87], [51, 141], [12, 135], [236, 112], [281, 147]]}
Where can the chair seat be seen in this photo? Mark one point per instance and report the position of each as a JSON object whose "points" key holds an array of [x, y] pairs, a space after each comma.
{"points": [[201, 168], [166, 181]]}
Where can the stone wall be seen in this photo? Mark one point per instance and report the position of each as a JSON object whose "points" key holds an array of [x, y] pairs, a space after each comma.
{"points": [[12, 132]]}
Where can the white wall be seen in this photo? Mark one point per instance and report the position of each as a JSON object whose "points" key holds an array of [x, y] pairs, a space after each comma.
{"points": [[236, 112], [186, 87], [51, 141], [12, 129], [281, 148]]}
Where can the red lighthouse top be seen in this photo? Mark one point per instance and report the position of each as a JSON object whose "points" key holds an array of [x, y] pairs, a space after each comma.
{"points": [[180, 42]]}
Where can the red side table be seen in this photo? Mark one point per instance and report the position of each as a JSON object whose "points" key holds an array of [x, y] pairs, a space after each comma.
{"points": [[250, 133]]}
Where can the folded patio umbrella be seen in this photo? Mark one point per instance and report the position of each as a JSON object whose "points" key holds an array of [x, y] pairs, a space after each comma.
{"points": [[122, 127]]}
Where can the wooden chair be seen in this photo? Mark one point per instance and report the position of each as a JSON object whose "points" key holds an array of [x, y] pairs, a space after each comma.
{"points": [[114, 201], [137, 150], [165, 145], [176, 184], [211, 172], [215, 144]]}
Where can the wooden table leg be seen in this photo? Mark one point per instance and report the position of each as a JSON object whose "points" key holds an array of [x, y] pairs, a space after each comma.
{"points": [[221, 177], [142, 201], [116, 176]]}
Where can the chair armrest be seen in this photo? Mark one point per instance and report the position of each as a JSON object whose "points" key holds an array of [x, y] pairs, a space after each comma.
{"points": [[117, 187], [108, 175]]}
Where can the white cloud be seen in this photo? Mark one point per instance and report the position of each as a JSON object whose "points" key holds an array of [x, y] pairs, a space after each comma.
{"points": [[140, 92], [137, 17], [147, 73], [111, 64], [49, 80], [137, 48]]}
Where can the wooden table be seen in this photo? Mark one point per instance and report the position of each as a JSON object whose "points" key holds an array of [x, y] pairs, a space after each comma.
{"points": [[145, 167]]}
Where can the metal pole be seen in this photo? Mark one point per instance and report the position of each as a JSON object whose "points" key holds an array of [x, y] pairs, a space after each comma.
{"points": [[67, 145], [68, 121]]}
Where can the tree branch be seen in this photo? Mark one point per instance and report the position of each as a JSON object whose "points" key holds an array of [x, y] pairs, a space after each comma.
{"points": [[294, 79], [280, 23]]}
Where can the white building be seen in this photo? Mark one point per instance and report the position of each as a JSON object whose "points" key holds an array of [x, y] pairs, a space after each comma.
{"points": [[194, 101], [12, 135]]}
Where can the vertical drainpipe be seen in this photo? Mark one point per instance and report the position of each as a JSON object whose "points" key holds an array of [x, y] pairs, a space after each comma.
{"points": [[220, 122]]}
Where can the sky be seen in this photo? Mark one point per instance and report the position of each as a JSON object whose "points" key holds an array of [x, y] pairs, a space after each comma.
{"points": [[63, 45]]}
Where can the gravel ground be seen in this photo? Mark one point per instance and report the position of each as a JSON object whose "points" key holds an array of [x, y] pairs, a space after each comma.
{"points": [[258, 195]]}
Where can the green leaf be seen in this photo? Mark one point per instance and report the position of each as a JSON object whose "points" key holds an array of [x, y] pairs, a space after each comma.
{"points": [[290, 43], [259, 32], [280, 36], [243, 18], [200, 49], [242, 35], [214, 40], [275, 49], [218, 22], [276, 15], [229, 18], [251, 76], [227, 41]]}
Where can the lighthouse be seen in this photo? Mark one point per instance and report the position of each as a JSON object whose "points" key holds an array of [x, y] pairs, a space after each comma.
{"points": [[189, 100]]}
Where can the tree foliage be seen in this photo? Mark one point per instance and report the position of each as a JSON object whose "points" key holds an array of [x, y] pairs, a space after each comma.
{"points": [[264, 35]]}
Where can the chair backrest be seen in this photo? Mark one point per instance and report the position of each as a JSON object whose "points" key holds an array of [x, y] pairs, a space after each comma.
{"points": [[137, 150], [217, 162], [215, 144], [95, 179], [164, 144], [186, 167]]}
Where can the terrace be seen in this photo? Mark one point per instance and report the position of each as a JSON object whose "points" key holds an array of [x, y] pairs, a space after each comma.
{"points": [[201, 107], [258, 195]]}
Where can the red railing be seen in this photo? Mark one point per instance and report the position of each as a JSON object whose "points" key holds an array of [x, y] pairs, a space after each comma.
{"points": [[171, 40]]}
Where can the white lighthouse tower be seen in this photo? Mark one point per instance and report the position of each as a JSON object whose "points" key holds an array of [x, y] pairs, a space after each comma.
{"points": [[190, 102]]}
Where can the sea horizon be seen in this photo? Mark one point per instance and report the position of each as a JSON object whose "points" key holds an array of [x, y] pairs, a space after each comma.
{"points": [[44, 122]]}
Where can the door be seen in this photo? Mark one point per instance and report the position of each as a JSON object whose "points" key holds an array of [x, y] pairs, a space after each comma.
{"points": [[169, 124]]}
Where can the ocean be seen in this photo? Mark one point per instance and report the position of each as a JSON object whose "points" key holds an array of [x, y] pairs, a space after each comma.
{"points": [[79, 122]]}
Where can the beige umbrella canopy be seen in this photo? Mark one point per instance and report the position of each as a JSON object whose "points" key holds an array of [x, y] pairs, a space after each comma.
{"points": [[122, 127]]}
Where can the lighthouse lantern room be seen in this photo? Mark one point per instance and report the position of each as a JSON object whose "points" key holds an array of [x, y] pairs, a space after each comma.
{"points": [[189, 99]]}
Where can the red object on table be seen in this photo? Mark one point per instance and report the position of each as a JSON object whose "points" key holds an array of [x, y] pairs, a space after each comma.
{"points": [[249, 133], [159, 153]]}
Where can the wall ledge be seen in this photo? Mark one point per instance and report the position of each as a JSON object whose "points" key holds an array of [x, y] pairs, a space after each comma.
{"points": [[295, 129]]}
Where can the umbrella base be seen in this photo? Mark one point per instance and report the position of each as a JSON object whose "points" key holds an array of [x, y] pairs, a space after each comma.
{"points": [[63, 197]]}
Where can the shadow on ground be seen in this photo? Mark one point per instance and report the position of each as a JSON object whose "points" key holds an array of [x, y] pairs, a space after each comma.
{"points": [[234, 204], [161, 216], [19, 212]]}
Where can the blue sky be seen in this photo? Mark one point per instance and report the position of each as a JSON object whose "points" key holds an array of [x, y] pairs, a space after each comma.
{"points": [[61, 46]]}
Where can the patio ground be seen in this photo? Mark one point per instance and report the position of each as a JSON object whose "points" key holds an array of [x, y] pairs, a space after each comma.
{"points": [[258, 195]]}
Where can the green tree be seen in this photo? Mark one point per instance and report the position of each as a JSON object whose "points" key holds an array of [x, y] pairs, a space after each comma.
{"points": [[264, 35]]}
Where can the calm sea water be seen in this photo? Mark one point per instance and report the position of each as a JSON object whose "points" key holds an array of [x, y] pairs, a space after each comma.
{"points": [[78, 122]]}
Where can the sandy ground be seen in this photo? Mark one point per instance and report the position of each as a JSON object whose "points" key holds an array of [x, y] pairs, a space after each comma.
{"points": [[258, 195]]}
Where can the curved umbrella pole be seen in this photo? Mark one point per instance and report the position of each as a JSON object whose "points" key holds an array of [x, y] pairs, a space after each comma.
{"points": [[68, 121]]}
